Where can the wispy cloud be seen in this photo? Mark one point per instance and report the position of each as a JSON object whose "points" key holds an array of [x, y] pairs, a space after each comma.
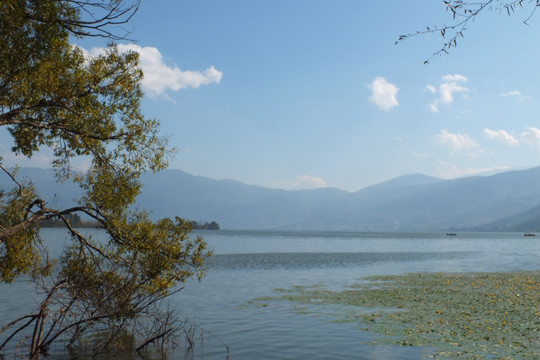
{"points": [[456, 141], [450, 85], [455, 77], [501, 135], [160, 77], [515, 94], [420, 155], [41, 159], [452, 172], [383, 93]]}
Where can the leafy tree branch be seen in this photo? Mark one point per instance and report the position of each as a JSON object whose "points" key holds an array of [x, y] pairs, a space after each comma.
{"points": [[53, 96]]}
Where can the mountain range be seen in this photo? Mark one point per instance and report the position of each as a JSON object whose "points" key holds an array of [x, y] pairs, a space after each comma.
{"points": [[508, 201]]}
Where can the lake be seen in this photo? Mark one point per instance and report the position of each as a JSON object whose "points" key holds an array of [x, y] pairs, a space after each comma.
{"points": [[251, 264]]}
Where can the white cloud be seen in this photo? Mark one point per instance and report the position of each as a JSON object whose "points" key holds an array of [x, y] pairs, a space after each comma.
{"points": [[450, 86], [447, 91], [160, 77], [432, 89], [516, 95], [303, 182], [308, 181], [453, 78], [456, 141], [531, 137], [501, 135], [384, 94]]}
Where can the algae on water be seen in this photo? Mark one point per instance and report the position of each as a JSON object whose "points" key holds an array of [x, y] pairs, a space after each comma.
{"points": [[465, 315]]}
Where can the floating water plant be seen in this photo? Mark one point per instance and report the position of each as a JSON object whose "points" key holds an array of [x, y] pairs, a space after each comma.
{"points": [[465, 315]]}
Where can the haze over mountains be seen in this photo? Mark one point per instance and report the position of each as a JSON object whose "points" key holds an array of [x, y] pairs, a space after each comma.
{"points": [[508, 201]]}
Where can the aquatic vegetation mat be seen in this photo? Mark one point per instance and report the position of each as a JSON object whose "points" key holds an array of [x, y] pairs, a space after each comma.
{"points": [[463, 315]]}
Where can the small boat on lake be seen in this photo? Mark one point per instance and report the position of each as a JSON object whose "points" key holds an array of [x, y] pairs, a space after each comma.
{"points": [[529, 234], [450, 234]]}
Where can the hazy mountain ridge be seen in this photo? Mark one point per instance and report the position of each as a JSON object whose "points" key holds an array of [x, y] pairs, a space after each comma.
{"points": [[508, 201], [526, 221]]}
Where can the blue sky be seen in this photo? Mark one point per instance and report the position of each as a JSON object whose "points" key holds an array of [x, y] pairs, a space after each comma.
{"points": [[309, 93]]}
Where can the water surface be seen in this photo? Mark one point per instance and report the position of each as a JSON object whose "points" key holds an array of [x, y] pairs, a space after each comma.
{"points": [[247, 265]]}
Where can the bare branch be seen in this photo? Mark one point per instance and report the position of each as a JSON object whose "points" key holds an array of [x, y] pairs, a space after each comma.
{"points": [[100, 18], [10, 324], [32, 318], [466, 13], [81, 238], [21, 192]]}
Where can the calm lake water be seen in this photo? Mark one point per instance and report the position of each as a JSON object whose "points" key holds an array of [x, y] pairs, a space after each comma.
{"points": [[249, 264]]}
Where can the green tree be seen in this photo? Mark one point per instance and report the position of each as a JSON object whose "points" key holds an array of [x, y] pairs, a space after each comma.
{"points": [[464, 14], [52, 96]]}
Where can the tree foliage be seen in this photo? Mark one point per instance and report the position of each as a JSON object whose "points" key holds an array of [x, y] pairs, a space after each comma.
{"points": [[52, 96], [464, 13], [204, 226]]}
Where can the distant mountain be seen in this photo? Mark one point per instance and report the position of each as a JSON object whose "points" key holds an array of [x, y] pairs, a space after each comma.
{"points": [[231, 203], [461, 203], [526, 221], [508, 201]]}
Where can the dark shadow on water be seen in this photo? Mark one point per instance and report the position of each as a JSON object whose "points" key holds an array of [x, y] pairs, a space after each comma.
{"points": [[322, 260]]}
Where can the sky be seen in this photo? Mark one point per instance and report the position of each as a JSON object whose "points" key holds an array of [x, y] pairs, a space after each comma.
{"points": [[310, 93]]}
